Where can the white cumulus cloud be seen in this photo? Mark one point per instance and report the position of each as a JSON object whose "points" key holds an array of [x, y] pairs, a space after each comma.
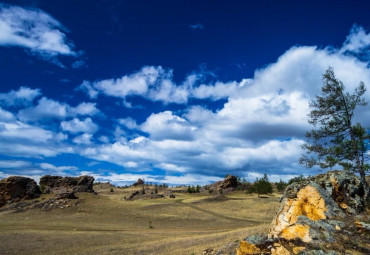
{"points": [[76, 126], [34, 30], [22, 96]]}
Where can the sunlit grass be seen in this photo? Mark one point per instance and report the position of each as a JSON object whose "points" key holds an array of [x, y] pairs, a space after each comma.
{"points": [[107, 224]]}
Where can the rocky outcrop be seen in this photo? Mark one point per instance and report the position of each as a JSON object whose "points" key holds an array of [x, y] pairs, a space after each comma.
{"points": [[17, 188], [138, 182], [144, 194], [229, 184], [56, 184], [230, 181], [313, 215], [65, 195]]}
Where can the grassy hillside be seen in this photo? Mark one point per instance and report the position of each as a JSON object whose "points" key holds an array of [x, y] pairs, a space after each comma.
{"points": [[107, 224]]}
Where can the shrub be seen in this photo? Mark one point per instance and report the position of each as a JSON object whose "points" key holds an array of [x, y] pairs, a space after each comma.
{"points": [[296, 179], [197, 189], [281, 185], [262, 185]]}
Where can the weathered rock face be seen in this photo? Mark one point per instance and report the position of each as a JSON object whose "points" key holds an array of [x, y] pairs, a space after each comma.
{"points": [[57, 184], [17, 188], [230, 181], [229, 184], [312, 212], [138, 182]]}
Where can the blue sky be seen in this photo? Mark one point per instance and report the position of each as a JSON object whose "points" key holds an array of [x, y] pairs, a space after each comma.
{"points": [[177, 92]]}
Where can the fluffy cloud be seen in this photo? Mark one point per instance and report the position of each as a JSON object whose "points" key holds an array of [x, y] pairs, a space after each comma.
{"points": [[84, 109], [216, 91], [6, 164], [76, 126], [48, 108], [21, 139], [357, 41], [165, 125], [23, 96], [85, 138], [260, 128], [130, 123], [35, 30], [47, 166], [5, 115], [154, 83]]}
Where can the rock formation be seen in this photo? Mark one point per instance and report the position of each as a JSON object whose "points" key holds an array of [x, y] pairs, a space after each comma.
{"points": [[229, 184], [57, 184], [230, 181], [17, 188], [138, 182], [314, 215]]}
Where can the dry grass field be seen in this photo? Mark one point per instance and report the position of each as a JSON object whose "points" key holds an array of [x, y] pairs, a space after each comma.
{"points": [[107, 224]]}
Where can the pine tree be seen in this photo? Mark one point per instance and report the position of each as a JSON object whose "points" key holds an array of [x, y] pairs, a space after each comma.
{"points": [[335, 139], [262, 185]]}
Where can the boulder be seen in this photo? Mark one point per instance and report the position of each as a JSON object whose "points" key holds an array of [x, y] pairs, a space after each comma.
{"points": [[312, 213], [138, 182], [56, 184], [66, 195], [17, 188], [227, 185], [230, 181]]}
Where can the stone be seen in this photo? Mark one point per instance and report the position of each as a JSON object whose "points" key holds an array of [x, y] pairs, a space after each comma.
{"points": [[208, 251], [313, 212], [247, 248], [362, 226], [17, 188], [66, 195], [279, 250], [318, 198], [138, 182], [230, 181], [56, 184]]}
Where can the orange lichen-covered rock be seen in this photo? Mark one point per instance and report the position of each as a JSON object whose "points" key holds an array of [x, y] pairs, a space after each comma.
{"points": [[297, 231], [246, 248], [308, 202], [312, 212], [298, 249], [279, 250]]}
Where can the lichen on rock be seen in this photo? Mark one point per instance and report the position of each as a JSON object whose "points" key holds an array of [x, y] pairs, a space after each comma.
{"points": [[312, 212]]}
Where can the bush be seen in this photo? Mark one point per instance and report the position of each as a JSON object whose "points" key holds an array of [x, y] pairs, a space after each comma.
{"points": [[192, 189], [281, 185], [262, 185], [111, 190], [197, 189], [296, 179]]}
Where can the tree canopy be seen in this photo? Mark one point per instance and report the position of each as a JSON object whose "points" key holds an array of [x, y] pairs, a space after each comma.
{"points": [[262, 185], [335, 139]]}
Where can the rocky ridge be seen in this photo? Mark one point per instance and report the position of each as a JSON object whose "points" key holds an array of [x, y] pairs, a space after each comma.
{"points": [[320, 215], [17, 188], [56, 184]]}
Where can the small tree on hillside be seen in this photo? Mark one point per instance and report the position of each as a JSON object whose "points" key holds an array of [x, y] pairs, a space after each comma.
{"points": [[281, 185], [335, 139], [262, 185], [296, 179]]}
